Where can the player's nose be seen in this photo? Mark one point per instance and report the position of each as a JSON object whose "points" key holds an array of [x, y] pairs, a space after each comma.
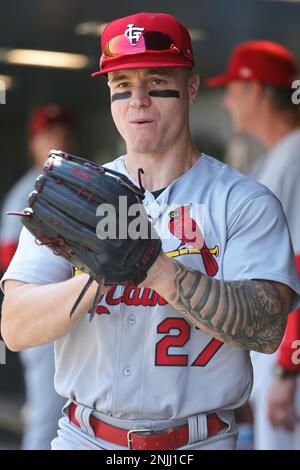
{"points": [[140, 97]]}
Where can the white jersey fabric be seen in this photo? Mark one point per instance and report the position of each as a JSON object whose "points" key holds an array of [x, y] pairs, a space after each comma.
{"points": [[279, 170], [140, 358]]}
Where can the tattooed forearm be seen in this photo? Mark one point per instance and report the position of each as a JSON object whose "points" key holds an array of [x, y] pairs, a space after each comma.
{"points": [[248, 314]]}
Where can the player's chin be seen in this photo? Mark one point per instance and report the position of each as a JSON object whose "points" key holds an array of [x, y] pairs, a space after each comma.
{"points": [[238, 125], [145, 146]]}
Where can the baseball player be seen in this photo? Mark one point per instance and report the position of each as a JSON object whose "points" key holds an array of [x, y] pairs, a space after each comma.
{"points": [[50, 126], [258, 96], [162, 365]]}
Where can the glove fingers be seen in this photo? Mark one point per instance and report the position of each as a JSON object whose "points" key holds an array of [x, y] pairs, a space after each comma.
{"points": [[73, 230], [83, 258], [71, 252], [79, 208], [82, 213], [67, 200], [88, 180]]}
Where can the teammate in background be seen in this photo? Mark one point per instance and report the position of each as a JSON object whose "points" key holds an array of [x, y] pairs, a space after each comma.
{"points": [[165, 364], [51, 126], [258, 96]]}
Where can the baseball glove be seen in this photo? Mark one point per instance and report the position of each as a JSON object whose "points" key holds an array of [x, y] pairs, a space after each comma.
{"points": [[68, 211]]}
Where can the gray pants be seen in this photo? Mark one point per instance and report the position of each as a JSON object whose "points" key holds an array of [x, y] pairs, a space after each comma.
{"points": [[71, 437]]}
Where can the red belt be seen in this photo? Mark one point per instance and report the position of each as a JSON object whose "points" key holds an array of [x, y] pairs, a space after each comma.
{"points": [[163, 440]]}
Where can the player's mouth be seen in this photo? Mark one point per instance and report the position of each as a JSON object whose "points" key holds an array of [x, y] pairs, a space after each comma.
{"points": [[141, 122]]}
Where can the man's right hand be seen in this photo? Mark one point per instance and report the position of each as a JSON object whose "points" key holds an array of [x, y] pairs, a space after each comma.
{"points": [[280, 403]]}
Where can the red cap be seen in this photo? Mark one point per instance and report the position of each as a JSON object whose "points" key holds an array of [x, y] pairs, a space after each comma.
{"points": [[131, 33], [50, 115], [264, 61]]}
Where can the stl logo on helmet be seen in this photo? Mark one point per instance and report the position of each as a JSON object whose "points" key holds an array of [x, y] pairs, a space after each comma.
{"points": [[133, 33]]}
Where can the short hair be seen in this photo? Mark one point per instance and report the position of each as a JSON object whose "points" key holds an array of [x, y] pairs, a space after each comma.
{"points": [[281, 98]]}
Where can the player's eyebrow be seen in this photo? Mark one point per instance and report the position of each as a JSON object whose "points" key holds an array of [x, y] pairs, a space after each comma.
{"points": [[119, 77], [162, 72]]}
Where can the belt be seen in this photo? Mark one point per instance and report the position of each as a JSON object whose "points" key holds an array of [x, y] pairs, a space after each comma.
{"points": [[163, 440]]}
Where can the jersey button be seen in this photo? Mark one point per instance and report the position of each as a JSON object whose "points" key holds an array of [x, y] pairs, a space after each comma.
{"points": [[127, 370], [131, 319]]}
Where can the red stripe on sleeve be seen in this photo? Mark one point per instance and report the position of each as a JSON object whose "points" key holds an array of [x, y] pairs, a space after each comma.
{"points": [[289, 350], [7, 251]]}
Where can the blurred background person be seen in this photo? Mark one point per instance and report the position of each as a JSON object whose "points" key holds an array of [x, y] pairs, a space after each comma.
{"points": [[51, 127], [259, 98]]}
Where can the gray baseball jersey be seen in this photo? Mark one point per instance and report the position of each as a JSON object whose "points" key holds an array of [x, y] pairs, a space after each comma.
{"points": [[140, 358], [279, 170], [10, 227]]}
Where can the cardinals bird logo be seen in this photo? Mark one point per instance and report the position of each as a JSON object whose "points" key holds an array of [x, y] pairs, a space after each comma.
{"points": [[185, 228]]}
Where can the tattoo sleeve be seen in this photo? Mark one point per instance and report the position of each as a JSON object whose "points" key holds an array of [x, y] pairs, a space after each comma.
{"points": [[248, 314]]}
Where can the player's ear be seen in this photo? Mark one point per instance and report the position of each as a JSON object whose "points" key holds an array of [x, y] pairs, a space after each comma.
{"points": [[193, 86]]}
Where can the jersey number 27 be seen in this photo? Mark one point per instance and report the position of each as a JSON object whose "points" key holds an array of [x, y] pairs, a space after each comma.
{"points": [[164, 358]]}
